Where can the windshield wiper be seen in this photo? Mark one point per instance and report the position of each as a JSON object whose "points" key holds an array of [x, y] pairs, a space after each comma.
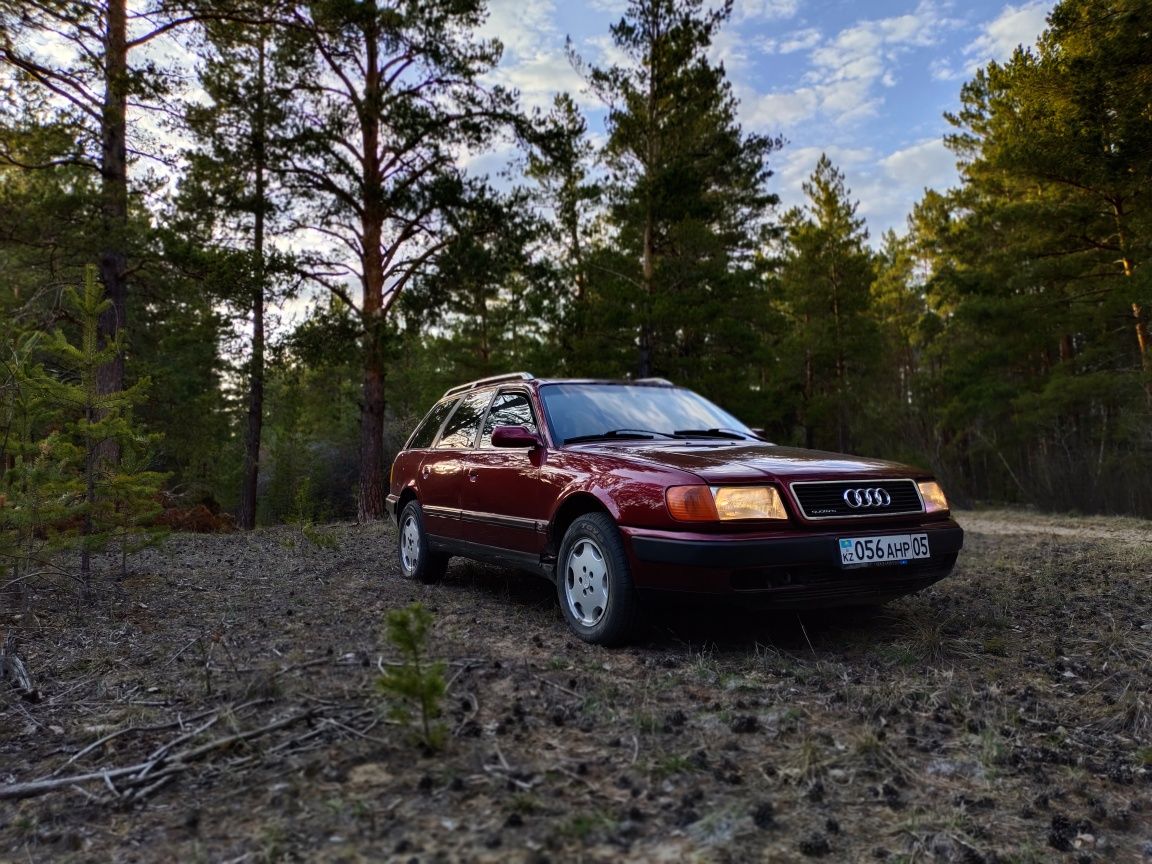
{"points": [[714, 433], [632, 434]]}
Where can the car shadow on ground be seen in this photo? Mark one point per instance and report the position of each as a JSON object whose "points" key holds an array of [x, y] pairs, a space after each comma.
{"points": [[674, 624]]}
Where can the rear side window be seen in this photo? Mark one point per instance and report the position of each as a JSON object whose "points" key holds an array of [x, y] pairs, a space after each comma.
{"points": [[508, 409], [460, 431], [425, 433]]}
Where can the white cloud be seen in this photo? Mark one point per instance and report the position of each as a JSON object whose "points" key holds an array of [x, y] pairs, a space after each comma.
{"points": [[943, 70], [888, 194], [730, 48], [541, 76], [925, 163], [534, 59], [615, 7], [848, 72], [797, 40], [1015, 25], [779, 109], [522, 25], [884, 186], [843, 101], [765, 10]]}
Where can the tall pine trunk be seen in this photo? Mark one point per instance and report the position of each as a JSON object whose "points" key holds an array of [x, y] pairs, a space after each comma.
{"points": [[246, 515], [114, 190], [370, 499]]}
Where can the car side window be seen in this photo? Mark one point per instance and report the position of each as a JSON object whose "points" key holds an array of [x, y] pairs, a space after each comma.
{"points": [[425, 433], [508, 409], [460, 430]]}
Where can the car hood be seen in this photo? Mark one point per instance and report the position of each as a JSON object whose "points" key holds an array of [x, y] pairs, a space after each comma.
{"points": [[743, 460]]}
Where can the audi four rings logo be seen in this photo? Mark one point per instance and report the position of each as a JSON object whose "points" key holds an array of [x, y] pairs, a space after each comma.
{"points": [[857, 498]]}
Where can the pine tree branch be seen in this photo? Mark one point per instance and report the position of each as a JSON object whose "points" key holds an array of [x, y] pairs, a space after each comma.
{"points": [[56, 82], [6, 158]]}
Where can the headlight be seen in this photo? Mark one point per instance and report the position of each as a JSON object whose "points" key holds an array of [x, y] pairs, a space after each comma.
{"points": [[724, 503], [933, 495]]}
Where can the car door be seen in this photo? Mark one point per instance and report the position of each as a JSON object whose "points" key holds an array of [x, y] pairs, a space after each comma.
{"points": [[506, 496], [442, 469]]}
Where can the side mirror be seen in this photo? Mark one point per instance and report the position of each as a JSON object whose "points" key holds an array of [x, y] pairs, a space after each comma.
{"points": [[515, 436]]}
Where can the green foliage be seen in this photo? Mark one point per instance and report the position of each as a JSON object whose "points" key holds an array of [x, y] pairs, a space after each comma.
{"points": [[59, 487], [108, 453], [1043, 376], [415, 687], [827, 359], [32, 470], [304, 514], [674, 289], [311, 435]]}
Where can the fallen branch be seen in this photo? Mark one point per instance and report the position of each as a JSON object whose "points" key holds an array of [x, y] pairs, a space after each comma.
{"points": [[135, 775], [177, 723]]}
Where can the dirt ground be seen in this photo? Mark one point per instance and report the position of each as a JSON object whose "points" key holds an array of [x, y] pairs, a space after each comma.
{"points": [[229, 687]]}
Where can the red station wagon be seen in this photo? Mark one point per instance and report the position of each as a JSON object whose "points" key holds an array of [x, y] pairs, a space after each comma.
{"points": [[615, 488]]}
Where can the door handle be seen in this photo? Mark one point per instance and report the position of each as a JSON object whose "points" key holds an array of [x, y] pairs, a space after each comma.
{"points": [[424, 472], [472, 475]]}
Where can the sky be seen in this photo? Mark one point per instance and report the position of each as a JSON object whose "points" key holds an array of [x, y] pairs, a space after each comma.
{"points": [[866, 82]]}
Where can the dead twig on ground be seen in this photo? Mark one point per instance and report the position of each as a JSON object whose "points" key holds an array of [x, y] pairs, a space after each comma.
{"points": [[136, 775]]}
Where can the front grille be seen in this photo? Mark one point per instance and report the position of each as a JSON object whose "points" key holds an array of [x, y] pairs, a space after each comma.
{"points": [[825, 499]]}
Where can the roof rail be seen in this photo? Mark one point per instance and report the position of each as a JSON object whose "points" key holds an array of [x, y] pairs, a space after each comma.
{"points": [[654, 382], [481, 382]]}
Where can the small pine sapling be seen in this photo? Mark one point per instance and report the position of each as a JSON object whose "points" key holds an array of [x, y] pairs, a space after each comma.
{"points": [[304, 517], [35, 504], [98, 436], [415, 687]]}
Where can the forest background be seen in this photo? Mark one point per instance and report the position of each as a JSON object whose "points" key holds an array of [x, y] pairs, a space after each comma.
{"points": [[1002, 340]]}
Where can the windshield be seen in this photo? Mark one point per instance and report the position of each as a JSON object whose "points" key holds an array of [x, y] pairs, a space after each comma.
{"points": [[640, 411]]}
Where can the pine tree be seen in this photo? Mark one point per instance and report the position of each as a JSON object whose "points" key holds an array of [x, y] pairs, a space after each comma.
{"points": [[688, 206], [825, 281], [248, 72], [563, 170], [112, 500], [394, 96], [1044, 376]]}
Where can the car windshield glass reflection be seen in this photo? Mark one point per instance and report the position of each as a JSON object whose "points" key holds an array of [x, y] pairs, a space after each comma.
{"points": [[579, 410]]}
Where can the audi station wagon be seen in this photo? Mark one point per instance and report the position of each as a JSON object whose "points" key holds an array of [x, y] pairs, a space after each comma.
{"points": [[617, 489]]}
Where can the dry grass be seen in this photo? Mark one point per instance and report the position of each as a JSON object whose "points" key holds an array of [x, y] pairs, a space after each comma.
{"points": [[1002, 715]]}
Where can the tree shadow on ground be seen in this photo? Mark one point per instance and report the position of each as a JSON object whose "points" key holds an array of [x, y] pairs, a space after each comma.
{"points": [[676, 624]]}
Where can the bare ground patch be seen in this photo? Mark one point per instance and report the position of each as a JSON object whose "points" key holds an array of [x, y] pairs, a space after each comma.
{"points": [[1003, 715]]}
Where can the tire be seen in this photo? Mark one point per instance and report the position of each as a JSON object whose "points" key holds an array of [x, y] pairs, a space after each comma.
{"points": [[594, 582], [417, 560]]}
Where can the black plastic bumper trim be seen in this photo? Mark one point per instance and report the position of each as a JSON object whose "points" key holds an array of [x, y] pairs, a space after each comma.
{"points": [[726, 553]]}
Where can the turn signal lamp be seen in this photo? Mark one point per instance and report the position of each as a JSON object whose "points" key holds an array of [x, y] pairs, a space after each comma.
{"points": [[691, 503], [933, 495], [724, 503]]}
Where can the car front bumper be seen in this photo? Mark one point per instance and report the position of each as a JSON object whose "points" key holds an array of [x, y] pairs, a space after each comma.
{"points": [[788, 570]]}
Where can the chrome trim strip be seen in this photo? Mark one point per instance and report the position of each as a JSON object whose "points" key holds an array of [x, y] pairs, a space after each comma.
{"points": [[480, 518], [502, 521], [868, 481]]}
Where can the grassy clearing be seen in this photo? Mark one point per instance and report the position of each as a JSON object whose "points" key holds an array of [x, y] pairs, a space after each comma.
{"points": [[1001, 716]]}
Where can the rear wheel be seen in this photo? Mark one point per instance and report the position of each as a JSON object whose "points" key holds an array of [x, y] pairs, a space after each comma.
{"points": [[594, 582], [417, 560]]}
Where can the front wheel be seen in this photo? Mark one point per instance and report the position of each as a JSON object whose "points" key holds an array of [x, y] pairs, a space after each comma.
{"points": [[594, 582], [417, 560]]}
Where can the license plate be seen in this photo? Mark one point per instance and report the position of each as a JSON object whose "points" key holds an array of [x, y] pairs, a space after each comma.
{"points": [[894, 549]]}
